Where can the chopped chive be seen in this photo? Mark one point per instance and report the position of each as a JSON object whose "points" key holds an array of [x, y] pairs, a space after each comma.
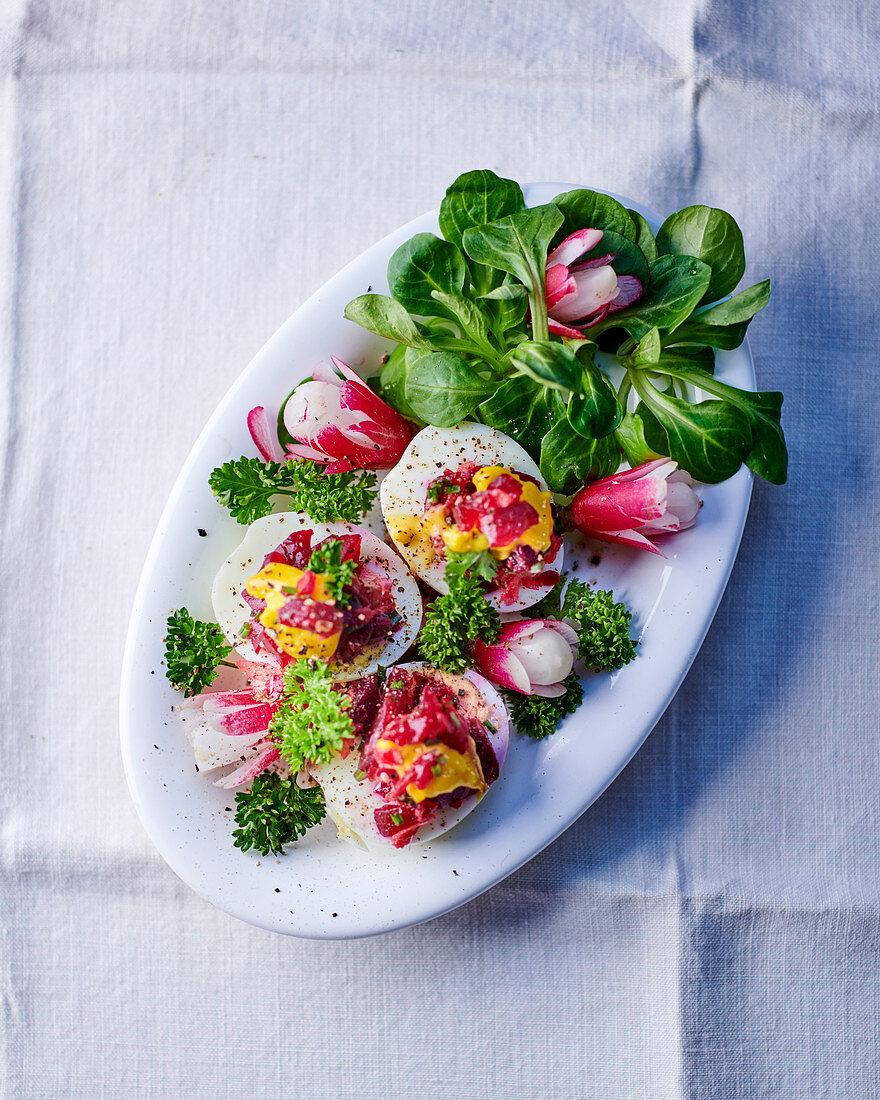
{"points": [[245, 630], [397, 819], [359, 774]]}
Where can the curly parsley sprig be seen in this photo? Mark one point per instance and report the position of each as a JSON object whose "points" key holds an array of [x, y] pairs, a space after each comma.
{"points": [[311, 723], [246, 486], [193, 650], [602, 626], [275, 812], [455, 621], [538, 717], [327, 559], [476, 563]]}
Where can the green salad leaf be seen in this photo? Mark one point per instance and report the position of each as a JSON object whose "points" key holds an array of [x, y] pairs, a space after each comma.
{"points": [[469, 310]]}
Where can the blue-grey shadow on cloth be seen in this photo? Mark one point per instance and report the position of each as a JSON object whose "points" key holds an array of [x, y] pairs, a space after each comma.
{"points": [[792, 551]]}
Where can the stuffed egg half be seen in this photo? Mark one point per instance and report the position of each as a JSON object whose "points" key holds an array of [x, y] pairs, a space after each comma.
{"points": [[472, 488], [272, 608], [436, 745]]}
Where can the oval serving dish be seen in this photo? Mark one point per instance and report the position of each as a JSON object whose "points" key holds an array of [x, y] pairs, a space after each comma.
{"points": [[322, 887]]}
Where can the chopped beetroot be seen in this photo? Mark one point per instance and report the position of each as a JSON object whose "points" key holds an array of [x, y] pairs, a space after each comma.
{"points": [[295, 550], [505, 488], [488, 759], [309, 614], [508, 585], [504, 526], [399, 821], [351, 546], [305, 586], [365, 695]]}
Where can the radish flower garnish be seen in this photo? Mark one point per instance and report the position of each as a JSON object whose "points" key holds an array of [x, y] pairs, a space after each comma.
{"points": [[341, 421], [584, 293], [630, 507], [532, 656]]}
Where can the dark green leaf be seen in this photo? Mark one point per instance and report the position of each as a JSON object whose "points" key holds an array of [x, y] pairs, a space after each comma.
{"points": [[455, 621], [677, 284], [741, 307], [476, 198], [525, 410], [592, 210], [516, 244], [712, 236], [593, 411], [692, 331], [602, 626], [393, 382], [506, 293], [441, 387], [768, 455], [469, 318], [644, 236], [421, 265], [723, 326], [549, 363], [710, 439], [568, 460], [630, 434], [387, 317]]}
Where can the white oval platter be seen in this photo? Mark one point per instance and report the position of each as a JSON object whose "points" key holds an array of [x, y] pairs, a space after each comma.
{"points": [[323, 887]]}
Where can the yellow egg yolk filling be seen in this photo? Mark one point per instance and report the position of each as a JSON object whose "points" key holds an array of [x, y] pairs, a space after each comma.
{"points": [[455, 769], [538, 536], [276, 584]]}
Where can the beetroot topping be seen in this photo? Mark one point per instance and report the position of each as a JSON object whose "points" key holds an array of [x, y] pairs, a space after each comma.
{"points": [[295, 550], [371, 614], [424, 753], [304, 613], [365, 695], [495, 509], [295, 615]]}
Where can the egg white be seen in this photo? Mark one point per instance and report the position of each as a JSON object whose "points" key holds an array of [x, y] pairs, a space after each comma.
{"points": [[351, 802], [264, 536], [434, 450]]}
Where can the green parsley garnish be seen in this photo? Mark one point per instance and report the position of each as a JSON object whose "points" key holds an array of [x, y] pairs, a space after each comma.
{"points": [[477, 563], [275, 812], [455, 621], [246, 487], [548, 606], [602, 626], [327, 559], [311, 723], [538, 717], [193, 650]]}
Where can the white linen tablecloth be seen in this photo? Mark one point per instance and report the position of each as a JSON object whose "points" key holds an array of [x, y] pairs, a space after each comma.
{"points": [[175, 179]]}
